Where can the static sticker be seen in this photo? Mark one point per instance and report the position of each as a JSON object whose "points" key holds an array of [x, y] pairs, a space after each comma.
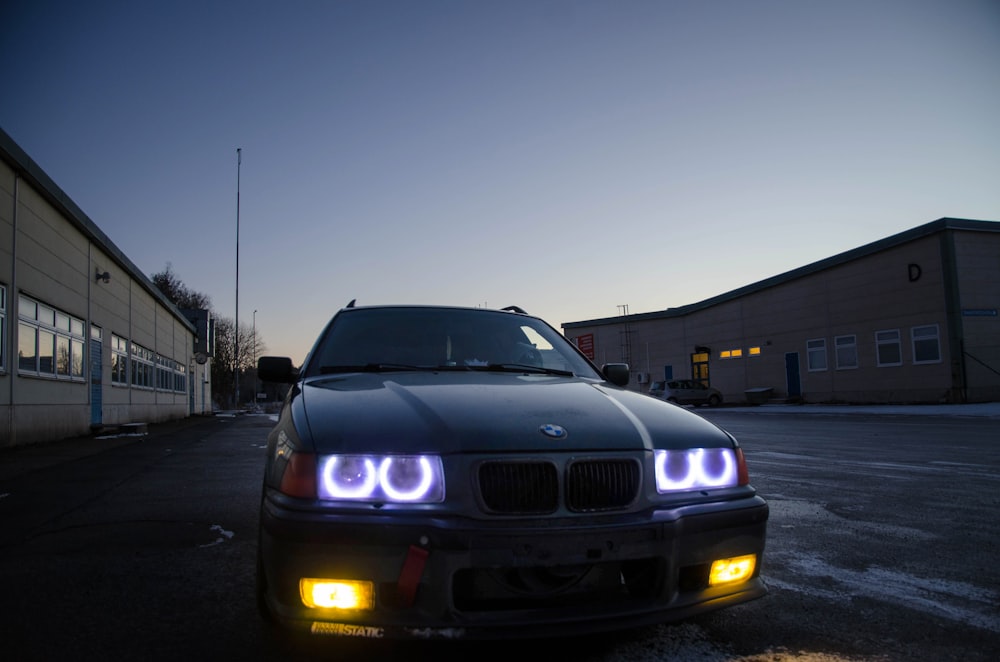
{"points": [[348, 630]]}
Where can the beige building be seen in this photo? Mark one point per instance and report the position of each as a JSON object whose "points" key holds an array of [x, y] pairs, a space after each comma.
{"points": [[86, 340], [912, 318]]}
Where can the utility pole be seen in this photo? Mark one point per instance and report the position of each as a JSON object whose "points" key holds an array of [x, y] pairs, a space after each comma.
{"points": [[236, 326], [254, 339]]}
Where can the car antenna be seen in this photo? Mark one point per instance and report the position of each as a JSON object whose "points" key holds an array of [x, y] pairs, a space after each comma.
{"points": [[515, 309], [351, 304]]}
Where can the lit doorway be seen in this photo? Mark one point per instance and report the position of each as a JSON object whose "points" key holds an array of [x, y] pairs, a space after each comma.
{"points": [[699, 367]]}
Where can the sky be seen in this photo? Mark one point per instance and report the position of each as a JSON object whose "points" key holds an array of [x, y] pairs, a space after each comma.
{"points": [[578, 159]]}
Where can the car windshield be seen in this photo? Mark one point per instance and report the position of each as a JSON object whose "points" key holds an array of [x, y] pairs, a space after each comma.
{"points": [[408, 338]]}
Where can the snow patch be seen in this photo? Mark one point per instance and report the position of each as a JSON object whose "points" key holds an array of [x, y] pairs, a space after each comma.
{"points": [[224, 535], [954, 600]]}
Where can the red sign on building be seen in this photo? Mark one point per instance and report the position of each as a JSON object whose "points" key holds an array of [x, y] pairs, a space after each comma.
{"points": [[586, 344]]}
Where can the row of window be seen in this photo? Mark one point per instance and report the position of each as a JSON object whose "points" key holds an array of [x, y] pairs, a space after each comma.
{"points": [[888, 349], [924, 340], [144, 368], [737, 352], [51, 344]]}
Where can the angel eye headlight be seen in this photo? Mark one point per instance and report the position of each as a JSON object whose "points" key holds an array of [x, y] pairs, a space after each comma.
{"points": [[694, 469], [382, 478], [348, 477], [406, 478]]}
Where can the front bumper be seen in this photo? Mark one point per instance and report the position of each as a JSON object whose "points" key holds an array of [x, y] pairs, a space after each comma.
{"points": [[463, 578]]}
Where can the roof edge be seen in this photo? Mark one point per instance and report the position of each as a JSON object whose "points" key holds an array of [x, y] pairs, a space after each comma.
{"points": [[26, 167], [927, 229]]}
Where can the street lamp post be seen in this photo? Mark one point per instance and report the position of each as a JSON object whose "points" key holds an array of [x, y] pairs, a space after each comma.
{"points": [[236, 326], [253, 339]]}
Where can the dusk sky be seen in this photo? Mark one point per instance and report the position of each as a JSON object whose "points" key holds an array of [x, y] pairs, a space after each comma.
{"points": [[566, 157]]}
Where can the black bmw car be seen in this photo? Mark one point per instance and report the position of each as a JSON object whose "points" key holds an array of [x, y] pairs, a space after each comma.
{"points": [[444, 472]]}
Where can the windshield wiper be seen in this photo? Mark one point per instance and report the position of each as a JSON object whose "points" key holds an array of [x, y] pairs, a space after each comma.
{"points": [[522, 367], [402, 367], [371, 367]]}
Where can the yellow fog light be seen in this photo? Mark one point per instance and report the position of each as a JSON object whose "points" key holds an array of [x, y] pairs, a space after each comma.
{"points": [[337, 593], [736, 569]]}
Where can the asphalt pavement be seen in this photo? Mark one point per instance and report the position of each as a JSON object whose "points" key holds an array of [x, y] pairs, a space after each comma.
{"points": [[979, 410], [20, 460]]}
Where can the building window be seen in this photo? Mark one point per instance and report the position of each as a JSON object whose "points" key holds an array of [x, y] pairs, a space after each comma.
{"points": [[27, 348], [180, 378], [50, 342], [46, 352], [143, 369], [846, 351], [754, 351], [816, 354], [162, 373], [119, 360], [926, 344], [170, 375], [889, 348]]}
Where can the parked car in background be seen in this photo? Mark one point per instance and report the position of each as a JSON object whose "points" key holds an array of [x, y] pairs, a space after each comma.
{"points": [[656, 388], [440, 472], [687, 392]]}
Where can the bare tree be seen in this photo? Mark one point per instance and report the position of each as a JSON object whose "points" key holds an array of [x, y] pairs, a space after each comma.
{"points": [[223, 363], [177, 292], [223, 369]]}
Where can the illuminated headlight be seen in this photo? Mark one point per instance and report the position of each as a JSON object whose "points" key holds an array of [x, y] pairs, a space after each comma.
{"points": [[695, 469], [382, 478]]}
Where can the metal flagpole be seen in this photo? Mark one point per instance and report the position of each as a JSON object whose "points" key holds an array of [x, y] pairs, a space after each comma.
{"points": [[236, 326], [253, 339]]}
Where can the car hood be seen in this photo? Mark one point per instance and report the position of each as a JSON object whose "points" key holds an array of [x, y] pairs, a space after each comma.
{"points": [[453, 412]]}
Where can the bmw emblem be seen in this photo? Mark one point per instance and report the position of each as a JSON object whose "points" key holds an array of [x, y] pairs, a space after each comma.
{"points": [[554, 431]]}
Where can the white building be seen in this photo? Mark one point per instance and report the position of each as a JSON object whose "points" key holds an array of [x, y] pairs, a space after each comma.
{"points": [[86, 340]]}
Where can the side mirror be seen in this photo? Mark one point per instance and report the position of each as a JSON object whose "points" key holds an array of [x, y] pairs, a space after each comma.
{"points": [[276, 369], [616, 373]]}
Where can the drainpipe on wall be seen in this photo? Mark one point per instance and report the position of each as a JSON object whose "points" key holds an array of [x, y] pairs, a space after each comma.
{"points": [[953, 313], [88, 330], [12, 314]]}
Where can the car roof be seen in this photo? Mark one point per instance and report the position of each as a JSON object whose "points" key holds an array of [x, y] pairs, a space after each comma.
{"points": [[516, 310]]}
